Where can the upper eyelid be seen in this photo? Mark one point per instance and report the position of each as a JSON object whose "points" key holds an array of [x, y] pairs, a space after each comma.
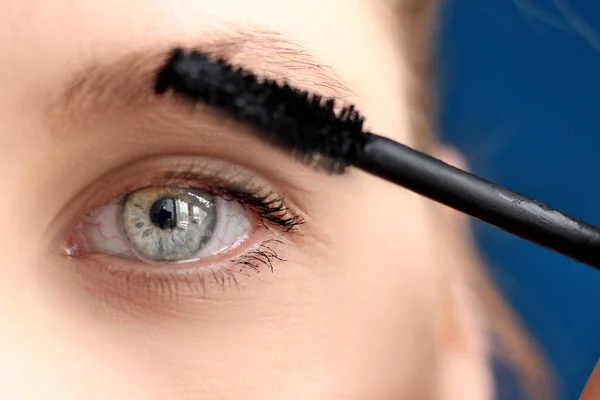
{"points": [[121, 91], [207, 133]]}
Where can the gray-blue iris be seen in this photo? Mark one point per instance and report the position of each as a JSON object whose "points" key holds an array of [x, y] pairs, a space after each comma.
{"points": [[168, 223]]}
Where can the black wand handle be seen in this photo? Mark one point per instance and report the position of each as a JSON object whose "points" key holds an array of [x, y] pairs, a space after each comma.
{"points": [[524, 217]]}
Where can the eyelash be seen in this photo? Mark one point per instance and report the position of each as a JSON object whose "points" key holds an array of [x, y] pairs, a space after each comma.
{"points": [[270, 207], [262, 256]]}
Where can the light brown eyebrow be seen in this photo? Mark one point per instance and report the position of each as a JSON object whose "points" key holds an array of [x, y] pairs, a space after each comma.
{"points": [[127, 81]]}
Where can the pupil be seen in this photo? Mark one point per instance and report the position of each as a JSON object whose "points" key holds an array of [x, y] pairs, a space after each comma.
{"points": [[162, 213]]}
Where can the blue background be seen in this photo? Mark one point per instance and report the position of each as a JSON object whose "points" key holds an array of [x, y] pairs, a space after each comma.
{"points": [[520, 88]]}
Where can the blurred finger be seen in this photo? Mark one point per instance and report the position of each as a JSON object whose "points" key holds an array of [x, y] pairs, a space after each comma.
{"points": [[592, 388]]}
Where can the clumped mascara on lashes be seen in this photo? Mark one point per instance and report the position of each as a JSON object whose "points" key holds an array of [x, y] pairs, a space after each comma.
{"points": [[263, 255], [309, 127], [269, 206]]}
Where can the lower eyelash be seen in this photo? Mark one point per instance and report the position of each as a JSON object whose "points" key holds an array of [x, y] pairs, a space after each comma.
{"points": [[254, 260], [198, 280], [140, 292], [262, 256]]}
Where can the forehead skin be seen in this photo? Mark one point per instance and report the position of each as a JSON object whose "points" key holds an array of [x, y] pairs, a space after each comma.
{"points": [[292, 332]]}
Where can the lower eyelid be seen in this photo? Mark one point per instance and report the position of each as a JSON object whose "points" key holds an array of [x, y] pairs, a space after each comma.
{"points": [[137, 290]]}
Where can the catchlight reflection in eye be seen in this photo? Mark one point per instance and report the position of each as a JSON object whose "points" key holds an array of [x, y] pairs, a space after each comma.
{"points": [[164, 224]]}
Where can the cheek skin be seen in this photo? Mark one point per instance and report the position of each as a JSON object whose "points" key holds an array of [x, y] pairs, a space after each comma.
{"points": [[386, 292]]}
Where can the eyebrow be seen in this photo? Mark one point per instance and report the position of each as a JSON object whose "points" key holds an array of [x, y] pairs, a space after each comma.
{"points": [[127, 81]]}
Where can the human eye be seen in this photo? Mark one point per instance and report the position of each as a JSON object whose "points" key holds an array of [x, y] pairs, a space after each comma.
{"points": [[180, 218], [171, 223]]}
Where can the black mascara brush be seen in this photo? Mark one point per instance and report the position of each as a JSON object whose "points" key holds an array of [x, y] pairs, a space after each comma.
{"points": [[310, 128]]}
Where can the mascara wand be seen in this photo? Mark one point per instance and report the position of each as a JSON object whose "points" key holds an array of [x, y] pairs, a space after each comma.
{"points": [[310, 128]]}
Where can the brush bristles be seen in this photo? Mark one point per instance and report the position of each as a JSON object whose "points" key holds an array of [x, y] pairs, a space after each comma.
{"points": [[308, 126]]}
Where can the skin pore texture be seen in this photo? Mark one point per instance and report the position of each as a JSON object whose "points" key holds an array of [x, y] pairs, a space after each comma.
{"points": [[371, 301]]}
